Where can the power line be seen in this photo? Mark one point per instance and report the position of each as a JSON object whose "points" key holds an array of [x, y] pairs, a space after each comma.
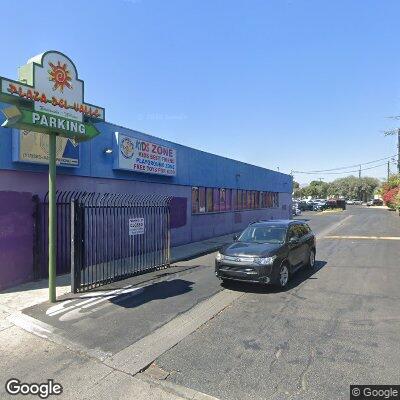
{"points": [[343, 172], [338, 168]]}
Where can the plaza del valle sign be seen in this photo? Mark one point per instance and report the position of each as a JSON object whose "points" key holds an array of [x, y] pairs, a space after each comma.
{"points": [[49, 98]]}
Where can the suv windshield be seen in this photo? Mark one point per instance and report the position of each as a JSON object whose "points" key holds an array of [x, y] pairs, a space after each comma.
{"points": [[263, 234]]}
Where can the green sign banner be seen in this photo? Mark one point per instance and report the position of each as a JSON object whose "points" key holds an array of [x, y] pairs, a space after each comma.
{"points": [[36, 121]]}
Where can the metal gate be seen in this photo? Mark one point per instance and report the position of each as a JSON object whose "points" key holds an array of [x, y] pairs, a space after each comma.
{"points": [[41, 234], [114, 236]]}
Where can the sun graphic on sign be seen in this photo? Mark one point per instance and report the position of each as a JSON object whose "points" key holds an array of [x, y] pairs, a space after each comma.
{"points": [[60, 75]]}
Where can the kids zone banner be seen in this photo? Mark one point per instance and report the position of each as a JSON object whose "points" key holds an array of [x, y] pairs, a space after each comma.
{"points": [[143, 156], [33, 147]]}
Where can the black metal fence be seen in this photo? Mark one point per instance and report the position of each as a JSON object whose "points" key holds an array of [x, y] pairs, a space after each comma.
{"points": [[41, 241], [104, 237], [115, 236]]}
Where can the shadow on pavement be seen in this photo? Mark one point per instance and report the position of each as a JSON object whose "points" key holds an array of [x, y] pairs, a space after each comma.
{"points": [[298, 277], [156, 291]]}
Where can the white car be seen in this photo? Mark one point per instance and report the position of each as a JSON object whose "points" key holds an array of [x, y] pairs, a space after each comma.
{"points": [[296, 211], [350, 202]]}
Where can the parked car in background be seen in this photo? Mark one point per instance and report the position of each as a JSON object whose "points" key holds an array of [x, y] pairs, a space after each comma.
{"points": [[296, 210], [350, 202], [375, 202], [358, 202], [305, 206], [267, 252], [319, 205]]}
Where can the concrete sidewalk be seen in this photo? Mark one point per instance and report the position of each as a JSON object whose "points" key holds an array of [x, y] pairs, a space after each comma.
{"points": [[30, 358], [196, 249], [35, 358]]}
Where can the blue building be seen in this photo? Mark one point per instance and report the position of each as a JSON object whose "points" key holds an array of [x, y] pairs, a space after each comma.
{"points": [[215, 195]]}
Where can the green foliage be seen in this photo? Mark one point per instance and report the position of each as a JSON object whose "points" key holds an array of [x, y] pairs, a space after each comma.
{"points": [[390, 192], [350, 187]]}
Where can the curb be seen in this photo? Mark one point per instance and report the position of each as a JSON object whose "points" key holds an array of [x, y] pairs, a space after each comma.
{"points": [[178, 390], [197, 254]]}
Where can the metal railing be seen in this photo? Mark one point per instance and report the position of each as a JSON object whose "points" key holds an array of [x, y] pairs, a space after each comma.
{"points": [[114, 236], [41, 239]]}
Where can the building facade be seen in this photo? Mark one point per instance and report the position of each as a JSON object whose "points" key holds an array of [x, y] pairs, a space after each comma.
{"points": [[214, 195]]}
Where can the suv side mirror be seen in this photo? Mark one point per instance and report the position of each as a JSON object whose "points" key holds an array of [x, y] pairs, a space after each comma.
{"points": [[294, 240], [235, 237]]}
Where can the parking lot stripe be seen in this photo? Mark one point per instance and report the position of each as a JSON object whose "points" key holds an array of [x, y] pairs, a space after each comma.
{"points": [[364, 237]]}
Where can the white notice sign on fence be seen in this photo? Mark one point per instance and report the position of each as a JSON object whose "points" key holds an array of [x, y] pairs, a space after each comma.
{"points": [[136, 226]]}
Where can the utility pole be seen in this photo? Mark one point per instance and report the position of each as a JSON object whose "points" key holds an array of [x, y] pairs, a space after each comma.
{"points": [[398, 150], [393, 132], [388, 170], [359, 173]]}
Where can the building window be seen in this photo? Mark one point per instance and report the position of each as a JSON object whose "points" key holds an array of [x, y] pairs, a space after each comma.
{"points": [[202, 200], [206, 200], [216, 199], [239, 202], [209, 200], [269, 200], [195, 200], [276, 195], [222, 200], [228, 199]]}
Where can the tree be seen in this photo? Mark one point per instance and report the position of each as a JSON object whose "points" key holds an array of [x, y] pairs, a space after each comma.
{"points": [[350, 187], [296, 189], [318, 189]]}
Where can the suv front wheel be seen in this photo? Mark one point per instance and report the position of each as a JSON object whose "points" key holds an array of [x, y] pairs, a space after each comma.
{"points": [[283, 275], [311, 260]]}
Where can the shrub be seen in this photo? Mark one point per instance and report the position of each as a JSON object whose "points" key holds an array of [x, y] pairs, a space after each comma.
{"points": [[391, 198]]}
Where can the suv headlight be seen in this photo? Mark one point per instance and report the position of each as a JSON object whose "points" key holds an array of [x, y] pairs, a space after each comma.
{"points": [[219, 256], [265, 260]]}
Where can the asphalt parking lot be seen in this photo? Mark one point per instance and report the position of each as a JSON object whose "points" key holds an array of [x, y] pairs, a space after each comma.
{"points": [[335, 328], [329, 329]]}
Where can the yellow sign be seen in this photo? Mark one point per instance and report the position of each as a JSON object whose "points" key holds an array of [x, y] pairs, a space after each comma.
{"points": [[33, 147]]}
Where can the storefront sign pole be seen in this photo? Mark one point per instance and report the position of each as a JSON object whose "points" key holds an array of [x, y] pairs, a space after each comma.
{"points": [[52, 218], [48, 98]]}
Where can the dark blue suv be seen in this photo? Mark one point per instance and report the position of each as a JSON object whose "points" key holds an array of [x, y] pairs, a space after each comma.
{"points": [[267, 252]]}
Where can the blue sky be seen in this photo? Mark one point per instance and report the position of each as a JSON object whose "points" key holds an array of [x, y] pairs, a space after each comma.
{"points": [[299, 85]]}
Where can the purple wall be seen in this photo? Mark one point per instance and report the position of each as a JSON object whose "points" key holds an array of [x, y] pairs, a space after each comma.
{"points": [[37, 183], [16, 238]]}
